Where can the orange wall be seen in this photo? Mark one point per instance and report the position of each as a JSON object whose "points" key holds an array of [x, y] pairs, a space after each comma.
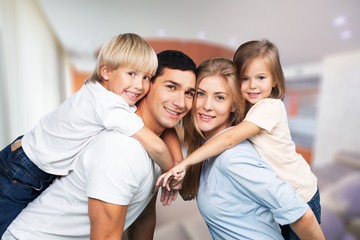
{"points": [[197, 50]]}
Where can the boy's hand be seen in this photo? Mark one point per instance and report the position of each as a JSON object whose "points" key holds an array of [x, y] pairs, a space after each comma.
{"points": [[168, 196]]}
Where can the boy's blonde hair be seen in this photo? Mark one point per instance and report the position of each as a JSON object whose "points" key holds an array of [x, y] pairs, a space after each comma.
{"points": [[126, 50]]}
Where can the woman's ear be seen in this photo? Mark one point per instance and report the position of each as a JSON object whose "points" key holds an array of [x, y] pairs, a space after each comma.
{"points": [[105, 72]]}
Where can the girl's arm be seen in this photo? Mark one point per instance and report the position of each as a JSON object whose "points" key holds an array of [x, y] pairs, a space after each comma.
{"points": [[213, 147], [155, 147]]}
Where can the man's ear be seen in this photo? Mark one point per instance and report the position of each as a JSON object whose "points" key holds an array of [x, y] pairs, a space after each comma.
{"points": [[105, 72]]}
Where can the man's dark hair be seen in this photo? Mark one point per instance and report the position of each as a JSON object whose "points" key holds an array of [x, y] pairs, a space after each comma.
{"points": [[174, 59]]}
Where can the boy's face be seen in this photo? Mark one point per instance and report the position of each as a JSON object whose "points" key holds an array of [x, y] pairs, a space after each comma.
{"points": [[128, 83], [171, 96]]}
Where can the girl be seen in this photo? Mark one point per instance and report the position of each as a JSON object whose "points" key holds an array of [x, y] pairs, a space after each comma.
{"points": [[265, 125]]}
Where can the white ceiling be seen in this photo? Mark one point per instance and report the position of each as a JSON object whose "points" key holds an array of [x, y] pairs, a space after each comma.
{"points": [[303, 30]]}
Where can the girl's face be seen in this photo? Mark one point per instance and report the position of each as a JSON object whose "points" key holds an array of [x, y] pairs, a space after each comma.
{"points": [[257, 81], [213, 105], [130, 84]]}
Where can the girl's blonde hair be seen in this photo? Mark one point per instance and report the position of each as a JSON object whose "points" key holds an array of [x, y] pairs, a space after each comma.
{"points": [[193, 137], [270, 54], [126, 50]]}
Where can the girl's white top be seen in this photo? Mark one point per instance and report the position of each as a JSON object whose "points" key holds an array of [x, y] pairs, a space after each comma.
{"points": [[274, 144]]}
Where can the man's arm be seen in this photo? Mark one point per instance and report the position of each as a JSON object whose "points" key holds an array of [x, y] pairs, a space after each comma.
{"points": [[307, 227], [106, 220], [143, 227]]}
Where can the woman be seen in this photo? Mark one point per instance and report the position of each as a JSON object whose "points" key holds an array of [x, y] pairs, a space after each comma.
{"points": [[238, 194]]}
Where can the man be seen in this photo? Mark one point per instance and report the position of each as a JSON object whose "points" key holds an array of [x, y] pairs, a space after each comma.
{"points": [[114, 178]]}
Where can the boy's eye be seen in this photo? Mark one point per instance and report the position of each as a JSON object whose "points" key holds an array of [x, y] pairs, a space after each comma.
{"points": [[132, 74], [147, 78]]}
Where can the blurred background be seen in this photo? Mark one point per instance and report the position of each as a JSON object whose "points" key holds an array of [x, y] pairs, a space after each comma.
{"points": [[48, 48]]}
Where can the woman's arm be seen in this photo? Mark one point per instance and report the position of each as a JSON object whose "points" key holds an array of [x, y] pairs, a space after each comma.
{"points": [[155, 147], [307, 227]]}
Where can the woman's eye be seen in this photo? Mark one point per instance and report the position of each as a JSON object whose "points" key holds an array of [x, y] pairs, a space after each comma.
{"points": [[199, 94], [220, 98]]}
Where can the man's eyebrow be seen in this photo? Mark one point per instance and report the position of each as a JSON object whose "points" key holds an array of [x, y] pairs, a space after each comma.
{"points": [[191, 89]]}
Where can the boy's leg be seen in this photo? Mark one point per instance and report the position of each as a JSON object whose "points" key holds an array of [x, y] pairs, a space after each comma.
{"points": [[20, 183]]}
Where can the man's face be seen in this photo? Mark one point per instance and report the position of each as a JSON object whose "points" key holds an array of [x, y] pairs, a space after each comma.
{"points": [[170, 96]]}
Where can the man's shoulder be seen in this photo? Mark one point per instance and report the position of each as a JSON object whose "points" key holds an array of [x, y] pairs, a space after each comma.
{"points": [[116, 142]]}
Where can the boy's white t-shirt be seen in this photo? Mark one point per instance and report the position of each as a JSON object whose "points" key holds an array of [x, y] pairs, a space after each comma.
{"points": [[274, 144], [54, 143]]}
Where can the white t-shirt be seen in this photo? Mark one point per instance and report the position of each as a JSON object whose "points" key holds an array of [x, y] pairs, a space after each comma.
{"points": [[274, 144], [53, 145], [113, 168]]}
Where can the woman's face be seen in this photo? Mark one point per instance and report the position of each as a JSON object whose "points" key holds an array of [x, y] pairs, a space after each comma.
{"points": [[213, 105]]}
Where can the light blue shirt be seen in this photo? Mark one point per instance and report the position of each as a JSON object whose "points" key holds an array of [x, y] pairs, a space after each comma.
{"points": [[240, 196]]}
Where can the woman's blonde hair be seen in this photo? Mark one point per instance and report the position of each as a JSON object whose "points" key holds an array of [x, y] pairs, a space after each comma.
{"points": [[193, 137], [126, 50]]}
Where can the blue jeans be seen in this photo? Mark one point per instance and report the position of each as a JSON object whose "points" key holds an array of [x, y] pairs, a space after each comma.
{"points": [[21, 181], [315, 206]]}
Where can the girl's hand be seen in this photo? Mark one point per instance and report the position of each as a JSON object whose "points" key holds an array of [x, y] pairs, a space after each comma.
{"points": [[177, 173]]}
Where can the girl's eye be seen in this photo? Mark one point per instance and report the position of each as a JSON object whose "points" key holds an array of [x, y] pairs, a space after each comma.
{"points": [[147, 78], [244, 79], [261, 77], [132, 74]]}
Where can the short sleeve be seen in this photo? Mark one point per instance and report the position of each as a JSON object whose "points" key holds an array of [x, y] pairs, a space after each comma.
{"points": [[119, 116], [117, 169], [266, 113]]}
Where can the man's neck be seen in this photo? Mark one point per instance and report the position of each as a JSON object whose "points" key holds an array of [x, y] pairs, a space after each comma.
{"points": [[149, 120]]}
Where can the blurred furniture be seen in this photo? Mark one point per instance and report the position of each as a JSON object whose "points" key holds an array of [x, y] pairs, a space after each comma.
{"points": [[339, 183]]}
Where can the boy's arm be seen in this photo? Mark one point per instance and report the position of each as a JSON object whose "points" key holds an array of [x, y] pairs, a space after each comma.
{"points": [[307, 227], [172, 141], [155, 147]]}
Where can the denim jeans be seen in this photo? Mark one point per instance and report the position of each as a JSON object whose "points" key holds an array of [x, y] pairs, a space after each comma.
{"points": [[21, 181], [315, 206]]}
